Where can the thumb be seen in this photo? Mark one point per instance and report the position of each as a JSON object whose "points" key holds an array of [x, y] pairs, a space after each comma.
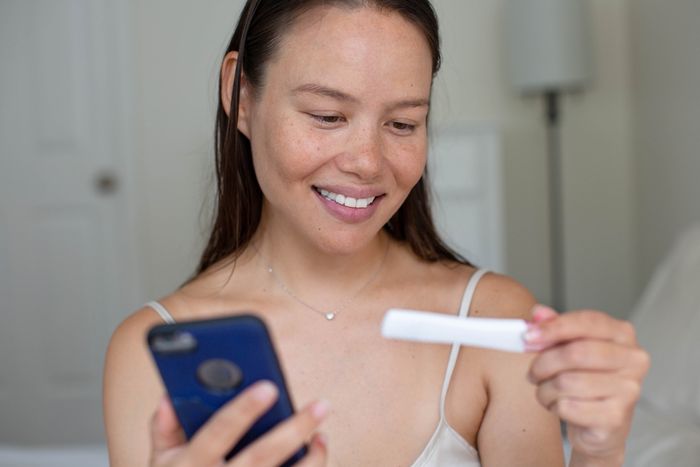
{"points": [[166, 432]]}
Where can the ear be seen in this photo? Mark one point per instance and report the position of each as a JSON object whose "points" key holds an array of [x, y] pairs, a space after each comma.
{"points": [[228, 74]]}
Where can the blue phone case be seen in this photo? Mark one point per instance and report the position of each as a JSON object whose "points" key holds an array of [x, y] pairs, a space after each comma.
{"points": [[206, 363]]}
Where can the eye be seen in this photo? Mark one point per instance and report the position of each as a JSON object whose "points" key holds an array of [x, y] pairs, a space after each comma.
{"points": [[402, 127], [328, 121]]}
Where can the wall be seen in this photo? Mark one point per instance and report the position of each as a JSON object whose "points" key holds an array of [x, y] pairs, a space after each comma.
{"points": [[177, 47], [667, 111], [179, 42], [596, 136]]}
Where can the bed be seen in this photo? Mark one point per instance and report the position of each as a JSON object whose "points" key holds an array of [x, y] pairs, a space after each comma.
{"points": [[666, 427]]}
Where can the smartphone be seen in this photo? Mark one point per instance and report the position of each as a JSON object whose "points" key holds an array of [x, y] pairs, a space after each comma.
{"points": [[206, 363]]}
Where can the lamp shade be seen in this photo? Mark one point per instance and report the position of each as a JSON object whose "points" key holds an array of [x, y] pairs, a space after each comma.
{"points": [[548, 44]]}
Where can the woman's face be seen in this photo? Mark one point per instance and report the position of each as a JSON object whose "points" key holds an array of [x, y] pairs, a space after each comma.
{"points": [[338, 129]]}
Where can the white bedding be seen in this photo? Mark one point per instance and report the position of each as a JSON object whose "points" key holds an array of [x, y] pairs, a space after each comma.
{"points": [[58, 456], [658, 441], [666, 426]]}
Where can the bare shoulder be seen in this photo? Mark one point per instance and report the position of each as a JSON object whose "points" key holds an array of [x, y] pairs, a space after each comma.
{"points": [[501, 296], [127, 350], [127, 363], [496, 295], [511, 410], [131, 385], [128, 340], [131, 390]]}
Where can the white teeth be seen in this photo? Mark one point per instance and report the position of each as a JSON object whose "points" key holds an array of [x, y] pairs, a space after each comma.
{"points": [[360, 203]]}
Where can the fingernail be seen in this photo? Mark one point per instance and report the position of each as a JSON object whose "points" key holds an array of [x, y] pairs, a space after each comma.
{"points": [[532, 334], [264, 391], [320, 409], [539, 312]]}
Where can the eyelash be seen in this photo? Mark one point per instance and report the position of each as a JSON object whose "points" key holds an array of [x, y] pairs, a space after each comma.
{"points": [[404, 127], [329, 121]]}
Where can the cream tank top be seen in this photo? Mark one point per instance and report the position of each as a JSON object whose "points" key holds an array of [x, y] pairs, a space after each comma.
{"points": [[446, 447]]}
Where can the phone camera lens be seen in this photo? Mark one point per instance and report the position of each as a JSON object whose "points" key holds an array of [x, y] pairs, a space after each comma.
{"points": [[219, 375], [173, 343]]}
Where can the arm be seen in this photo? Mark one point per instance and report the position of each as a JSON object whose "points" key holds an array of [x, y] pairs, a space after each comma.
{"points": [[587, 371], [142, 428], [516, 429], [131, 391]]}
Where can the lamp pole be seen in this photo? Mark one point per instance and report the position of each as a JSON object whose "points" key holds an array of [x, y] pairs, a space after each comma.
{"points": [[548, 47], [556, 203]]}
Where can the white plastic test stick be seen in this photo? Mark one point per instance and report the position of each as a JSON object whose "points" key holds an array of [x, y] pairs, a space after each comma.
{"points": [[422, 326]]}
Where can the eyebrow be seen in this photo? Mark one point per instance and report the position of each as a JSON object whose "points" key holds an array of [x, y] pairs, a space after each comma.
{"points": [[324, 91]]}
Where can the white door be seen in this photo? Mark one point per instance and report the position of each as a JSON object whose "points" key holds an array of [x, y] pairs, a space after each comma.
{"points": [[67, 273]]}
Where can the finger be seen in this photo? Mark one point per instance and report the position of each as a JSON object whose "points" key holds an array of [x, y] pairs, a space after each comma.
{"points": [[586, 385], [214, 440], [541, 313], [318, 452], [589, 355], [581, 325], [609, 414], [285, 439], [166, 432]]}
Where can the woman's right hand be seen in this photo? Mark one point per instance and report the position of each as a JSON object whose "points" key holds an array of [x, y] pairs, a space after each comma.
{"points": [[214, 440]]}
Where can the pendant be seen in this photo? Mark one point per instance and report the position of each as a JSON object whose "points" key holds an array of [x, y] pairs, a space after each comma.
{"points": [[330, 315]]}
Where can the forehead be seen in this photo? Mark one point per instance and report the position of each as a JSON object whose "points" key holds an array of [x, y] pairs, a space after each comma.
{"points": [[356, 50]]}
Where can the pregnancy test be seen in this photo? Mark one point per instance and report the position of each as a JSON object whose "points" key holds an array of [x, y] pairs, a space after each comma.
{"points": [[422, 326]]}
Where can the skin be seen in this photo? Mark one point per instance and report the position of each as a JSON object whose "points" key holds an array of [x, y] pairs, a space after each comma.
{"points": [[361, 126]]}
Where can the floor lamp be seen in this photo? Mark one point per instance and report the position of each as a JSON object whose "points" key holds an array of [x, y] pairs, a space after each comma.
{"points": [[548, 53]]}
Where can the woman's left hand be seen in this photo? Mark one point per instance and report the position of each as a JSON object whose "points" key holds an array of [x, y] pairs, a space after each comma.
{"points": [[589, 373]]}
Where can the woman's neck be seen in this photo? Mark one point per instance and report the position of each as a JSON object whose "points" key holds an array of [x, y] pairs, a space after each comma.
{"points": [[309, 272]]}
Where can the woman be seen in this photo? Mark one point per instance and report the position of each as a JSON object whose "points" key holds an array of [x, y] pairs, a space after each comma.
{"points": [[322, 224]]}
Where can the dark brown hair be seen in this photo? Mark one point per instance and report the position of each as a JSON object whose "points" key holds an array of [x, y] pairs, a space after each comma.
{"points": [[239, 200]]}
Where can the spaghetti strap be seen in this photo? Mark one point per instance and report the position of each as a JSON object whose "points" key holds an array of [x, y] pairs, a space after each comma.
{"points": [[160, 309], [463, 313]]}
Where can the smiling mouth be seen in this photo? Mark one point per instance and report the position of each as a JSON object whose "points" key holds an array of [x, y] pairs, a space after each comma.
{"points": [[347, 201]]}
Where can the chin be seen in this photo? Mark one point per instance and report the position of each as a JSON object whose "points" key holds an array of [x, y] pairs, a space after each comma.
{"points": [[347, 243]]}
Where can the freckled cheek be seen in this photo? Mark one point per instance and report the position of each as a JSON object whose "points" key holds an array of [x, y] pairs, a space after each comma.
{"points": [[281, 145], [299, 152], [408, 163]]}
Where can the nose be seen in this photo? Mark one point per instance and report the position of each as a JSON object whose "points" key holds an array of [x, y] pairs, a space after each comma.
{"points": [[364, 156]]}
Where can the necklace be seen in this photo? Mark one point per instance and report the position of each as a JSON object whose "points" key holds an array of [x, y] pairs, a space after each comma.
{"points": [[331, 313]]}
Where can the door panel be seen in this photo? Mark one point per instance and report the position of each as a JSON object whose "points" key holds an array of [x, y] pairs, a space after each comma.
{"points": [[65, 248], [69, 255]]}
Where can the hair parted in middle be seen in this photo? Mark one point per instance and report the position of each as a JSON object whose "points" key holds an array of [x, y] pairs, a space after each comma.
{"points": [[239, 199]]}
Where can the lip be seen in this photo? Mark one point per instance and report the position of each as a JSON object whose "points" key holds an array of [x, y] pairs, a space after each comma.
{"points": [[347, 214]]}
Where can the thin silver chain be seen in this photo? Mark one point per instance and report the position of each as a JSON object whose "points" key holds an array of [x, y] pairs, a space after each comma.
{"points": [[333, 312]]}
